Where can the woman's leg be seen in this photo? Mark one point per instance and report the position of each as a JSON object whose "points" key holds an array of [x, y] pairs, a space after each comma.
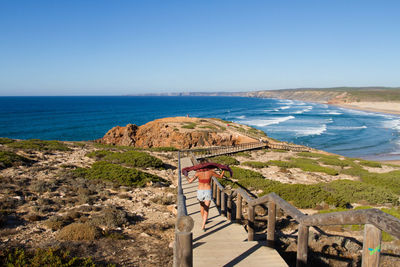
{"points": [[205, 206], [202, 208]]}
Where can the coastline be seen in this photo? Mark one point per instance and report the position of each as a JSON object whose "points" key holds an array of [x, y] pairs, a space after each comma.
{"points": [[381, 107]]}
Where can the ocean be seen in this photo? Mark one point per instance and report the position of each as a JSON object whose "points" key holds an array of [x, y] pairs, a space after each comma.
{"points": [[346, 132]]}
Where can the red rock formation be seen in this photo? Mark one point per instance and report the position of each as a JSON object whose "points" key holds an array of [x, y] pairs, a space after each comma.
{"points": [[168, 132]]}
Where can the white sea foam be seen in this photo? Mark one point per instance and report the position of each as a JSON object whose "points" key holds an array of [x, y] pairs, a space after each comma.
{"points": [[306, 131], [332, 113], [241, 117], [266, 122], [305, 109], [285, 107], [392, 124], [344, 128]]}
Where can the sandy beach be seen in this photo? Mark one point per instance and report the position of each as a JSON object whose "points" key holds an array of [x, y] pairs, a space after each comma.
{"points": [[384, 107]]}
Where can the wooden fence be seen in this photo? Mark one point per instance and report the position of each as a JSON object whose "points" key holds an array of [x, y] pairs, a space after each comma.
{"points": [[375, 221], [183, 246]]}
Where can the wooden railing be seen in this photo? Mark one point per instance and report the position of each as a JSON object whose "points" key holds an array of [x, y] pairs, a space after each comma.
{"points": [[223, 150], [375, 221], [183, 246]]}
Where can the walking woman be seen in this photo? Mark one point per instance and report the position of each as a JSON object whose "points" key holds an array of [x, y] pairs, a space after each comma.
{"points": [[204, 193]]}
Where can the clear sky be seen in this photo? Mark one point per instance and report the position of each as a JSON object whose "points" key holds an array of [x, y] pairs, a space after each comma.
{"points": [[82, 47]]}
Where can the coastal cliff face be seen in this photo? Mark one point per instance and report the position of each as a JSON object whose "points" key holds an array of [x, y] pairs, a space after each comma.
{"points": [[178, 132], [306, 95]]}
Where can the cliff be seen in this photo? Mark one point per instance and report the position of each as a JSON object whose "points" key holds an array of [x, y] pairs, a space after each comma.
{"points": [[181, 133]]}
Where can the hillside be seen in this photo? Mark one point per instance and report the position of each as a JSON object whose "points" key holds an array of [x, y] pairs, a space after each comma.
{"points": [[116, 204], [182, 133], [334, 95]]}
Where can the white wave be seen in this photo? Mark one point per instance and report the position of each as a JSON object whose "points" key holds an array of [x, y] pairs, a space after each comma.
{"points": [[344, 128], [285, 107], [286, 101], [241, 117], [306, 131], [266, 122], [392, 124], [306, 109], [331, 113]]}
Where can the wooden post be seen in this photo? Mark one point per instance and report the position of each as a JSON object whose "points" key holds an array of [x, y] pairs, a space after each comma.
{"points": [[229, 204], [218, 197], [302, 246], [184, 249], [214, 190], [250, 220], [372, 240], [239, 207], [223, 203], [271, 224]]}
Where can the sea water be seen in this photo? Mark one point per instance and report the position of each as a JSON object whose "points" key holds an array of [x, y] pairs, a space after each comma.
{"points": [[347, 132]]}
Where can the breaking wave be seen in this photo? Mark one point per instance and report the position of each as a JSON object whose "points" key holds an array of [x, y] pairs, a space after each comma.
{"points": [[266, 122]]}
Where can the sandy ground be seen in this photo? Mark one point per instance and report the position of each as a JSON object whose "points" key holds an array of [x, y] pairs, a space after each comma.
{"points": [[384, 107]]}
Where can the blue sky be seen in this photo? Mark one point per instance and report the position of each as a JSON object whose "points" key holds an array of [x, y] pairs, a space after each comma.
{"points": [[82, 47]]}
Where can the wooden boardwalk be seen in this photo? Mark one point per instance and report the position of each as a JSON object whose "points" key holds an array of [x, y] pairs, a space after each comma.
{"points": [[223, 243]]}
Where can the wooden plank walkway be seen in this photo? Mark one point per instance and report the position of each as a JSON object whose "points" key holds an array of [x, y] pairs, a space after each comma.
{"points": [[223, 243]]}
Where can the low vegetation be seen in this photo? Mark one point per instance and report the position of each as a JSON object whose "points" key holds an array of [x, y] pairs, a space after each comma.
{"points": [[226, 160], [116, 173], [38, 145], [8, 159], [43, 257], [340, 193], [189, 125], [130, 158]]}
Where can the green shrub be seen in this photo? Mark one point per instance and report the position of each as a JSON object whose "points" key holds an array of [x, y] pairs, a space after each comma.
{"points": [[335, 162], [208, 127], [243, 154], [4, 140], [312, 166], [226, 160], [190, 125], [125, 176], [280, 163], [372, 164], [39, 145], [255, 164], [9, 159], [42, 257], [131, 158]]}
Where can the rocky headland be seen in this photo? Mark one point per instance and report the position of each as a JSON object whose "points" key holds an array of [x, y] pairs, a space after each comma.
{"points": [[181, 133]]}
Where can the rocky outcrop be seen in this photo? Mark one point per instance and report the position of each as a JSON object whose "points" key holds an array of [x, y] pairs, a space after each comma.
{"points": [[179, 132], [122, 136]]}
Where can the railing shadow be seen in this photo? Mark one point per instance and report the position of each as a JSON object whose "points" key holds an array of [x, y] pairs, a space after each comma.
{"points": [[244, 255]]}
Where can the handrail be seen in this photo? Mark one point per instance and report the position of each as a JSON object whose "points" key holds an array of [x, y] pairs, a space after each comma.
{"points": [[183, 246], [375, 221]]}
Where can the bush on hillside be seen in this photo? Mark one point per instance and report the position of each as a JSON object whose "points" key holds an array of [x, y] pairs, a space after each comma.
{"points": [[312, 166], [42, 257], [113, 172], [226, 160], [339, 193], [9, 159], [79, 231], [4, 140], [39, 145], [255, 164], [131, 158]]}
